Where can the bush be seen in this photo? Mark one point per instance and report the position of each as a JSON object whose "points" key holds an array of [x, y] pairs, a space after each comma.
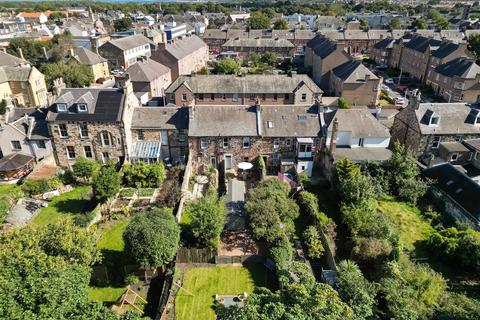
{"points": [[127, 192], [262, 167], [282, 253], [83, 219], [106, 183], [311, 238], [67, 177], [55, 183], [308, 203], [131, 279], [145, 192], [143, 175], [343, 103], [34, 187], [84, 168], [4, 207]]}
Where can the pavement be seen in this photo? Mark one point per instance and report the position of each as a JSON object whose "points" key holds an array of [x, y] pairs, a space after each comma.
{"points": [[235, 205]]}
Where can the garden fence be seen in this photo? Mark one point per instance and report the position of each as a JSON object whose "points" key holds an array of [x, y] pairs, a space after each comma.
{"points": [[194, 255]]}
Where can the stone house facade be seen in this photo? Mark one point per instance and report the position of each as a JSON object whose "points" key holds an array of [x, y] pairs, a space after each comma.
{"points": [[424, 126], [97, 63], [149, 76], [94, 123], [283, 48], [165, 129], [381, 51], [243, 90]]}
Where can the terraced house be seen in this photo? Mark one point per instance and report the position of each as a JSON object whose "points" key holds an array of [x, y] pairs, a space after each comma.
{"points": [[457, 80], [94, 123], [229, 90]]}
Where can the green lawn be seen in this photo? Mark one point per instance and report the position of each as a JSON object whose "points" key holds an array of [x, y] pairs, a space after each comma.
{"points": [[70, 203], [205, 283], [413, 227], [114, 258], [11, 190], [105, 294]]}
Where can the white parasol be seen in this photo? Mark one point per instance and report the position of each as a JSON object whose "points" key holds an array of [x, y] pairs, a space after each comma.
{"points": [[245, 165]]}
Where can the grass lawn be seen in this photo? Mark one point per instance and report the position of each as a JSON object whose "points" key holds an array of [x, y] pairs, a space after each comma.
{"points": [[204, 283], [111, 245], [70, 203], [104, 294], [413, 227]]}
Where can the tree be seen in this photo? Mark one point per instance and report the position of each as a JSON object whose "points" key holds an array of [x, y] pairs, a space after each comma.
{"points": [[269, 12], [258, 20], [395, 23], [106, 183], [474, 46], [55, 16], [61, 44], [32, 50], [207, 219], [123, 24], [45, 273], [271, 211], [227, 66], [459, 307], [343, 103], [269, 58], [313, 242], [442, 23], [434, 14], [352, 185], [75, 75], [419, 24], [85, 168], [404, 174], [363, 23], [355, 290], [280, 24], [152, 237]]}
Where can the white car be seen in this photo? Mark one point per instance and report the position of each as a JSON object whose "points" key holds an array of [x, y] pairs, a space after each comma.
{"points": [[400, 101], [389, 81]]}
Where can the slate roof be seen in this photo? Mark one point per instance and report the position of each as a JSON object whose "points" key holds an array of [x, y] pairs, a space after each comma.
{"points": [[353, 72], [290, 121], [10, 60], [130, 42], [445, 49], [223, 121], [85, 56], [258, 43], [421, 43], [104, 105], [360, 122], [166, 118], [39, 130], [457, 185], [455, 118], [181, 48], [322, 46], [384, 44], [146, 70], [460, 67], [18, 73], [362, 154], [255, 84]]}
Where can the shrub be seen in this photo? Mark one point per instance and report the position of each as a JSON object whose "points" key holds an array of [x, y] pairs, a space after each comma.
{"points": [[145, 192], [84, 168], [308, 203], [262, 167], [83, 219], [131, 279], [106, 183], [311, 238], [143, 175], [282, 253], [4, 207], [127, 192], [55, 183], [34, 187], [343, 103], [67, 177]]}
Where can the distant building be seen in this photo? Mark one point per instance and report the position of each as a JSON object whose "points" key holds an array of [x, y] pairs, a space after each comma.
{"points": [[183, 56], [149, 76], [123, 52], [97, 63], [281, 47]]}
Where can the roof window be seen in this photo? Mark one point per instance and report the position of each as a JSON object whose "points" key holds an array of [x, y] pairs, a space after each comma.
{"points": [[61, 107]]}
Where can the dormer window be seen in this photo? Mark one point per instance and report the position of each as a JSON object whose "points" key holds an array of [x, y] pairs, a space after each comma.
{"points": [[477, 120], [82, 107], [61, 107]]}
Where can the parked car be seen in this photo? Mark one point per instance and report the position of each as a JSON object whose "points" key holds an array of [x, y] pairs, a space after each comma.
{"points": [[389, 81]]}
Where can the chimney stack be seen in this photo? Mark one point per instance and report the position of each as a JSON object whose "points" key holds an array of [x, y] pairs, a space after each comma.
{"points": [[58, 85], [333, 138], [20, 53]]}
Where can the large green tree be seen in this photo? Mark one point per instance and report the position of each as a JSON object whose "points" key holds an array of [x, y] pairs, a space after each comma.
{"points": [[152, 237], [280, 24], [258, 20], [84, 168], [207, 217], [75, 75], [474, 46], [123, 24], [45, 272], [32, 50], [227, 66]]}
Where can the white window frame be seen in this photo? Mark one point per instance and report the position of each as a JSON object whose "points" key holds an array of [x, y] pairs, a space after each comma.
{"points": [[62, 127], [13, 142], [203, 143], [303, 97], [140, 135], [276, 144], [108, 140], [246, 142], [83, 130], [456, 155], [68, 152], [225, 143], [106, 158], [62, 107], [436, 144], [82, 107], [184, 97]]}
